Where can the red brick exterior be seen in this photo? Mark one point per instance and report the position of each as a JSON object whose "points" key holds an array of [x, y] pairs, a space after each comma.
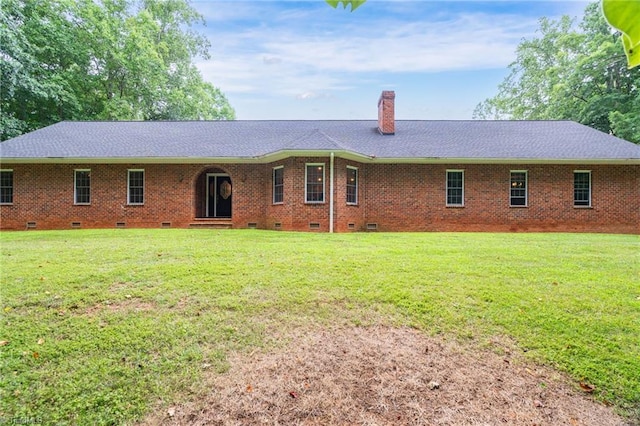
{"points": [[393, 197], [386, 113]]}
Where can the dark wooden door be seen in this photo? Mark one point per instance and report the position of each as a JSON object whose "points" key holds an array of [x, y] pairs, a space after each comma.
{"points": [[220, 195]]}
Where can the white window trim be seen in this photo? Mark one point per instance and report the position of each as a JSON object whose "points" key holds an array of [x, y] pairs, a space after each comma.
{"points": [[13, 190], [590, 189], [526, 188], [75, 187], [446, 187], [306, 182], [144, 189], [355, 203], [273, 185]]}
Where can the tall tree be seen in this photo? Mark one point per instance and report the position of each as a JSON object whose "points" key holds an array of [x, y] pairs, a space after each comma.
{"points": [[571, 72], [102, 59]]}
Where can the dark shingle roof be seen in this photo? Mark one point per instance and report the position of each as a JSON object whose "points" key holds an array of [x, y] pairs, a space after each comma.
{"points": [[255, 140]]}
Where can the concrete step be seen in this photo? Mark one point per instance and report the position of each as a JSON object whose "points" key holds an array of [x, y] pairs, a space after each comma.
{"points": [[212, 223]]}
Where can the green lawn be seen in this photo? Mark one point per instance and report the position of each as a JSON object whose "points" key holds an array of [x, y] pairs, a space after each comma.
{"points": [[102, 326]]}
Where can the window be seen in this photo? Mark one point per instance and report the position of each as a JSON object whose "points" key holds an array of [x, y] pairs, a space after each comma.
{"points": [[582, 188], [518, 188], [314, 183], [6, 186], [82, 186], [455, 187], [135, 187], [278, 185], [352, 185]]}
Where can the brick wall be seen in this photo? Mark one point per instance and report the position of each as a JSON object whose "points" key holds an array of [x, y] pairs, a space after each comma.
{"points": [[295, 213], [386, 112], [413, 198], [44, 194], [395, 197], [348, 217]]}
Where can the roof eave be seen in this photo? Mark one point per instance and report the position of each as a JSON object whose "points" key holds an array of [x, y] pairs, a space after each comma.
{"points": [[514, 160], [128, 160], [258, 159], [281, 155]]}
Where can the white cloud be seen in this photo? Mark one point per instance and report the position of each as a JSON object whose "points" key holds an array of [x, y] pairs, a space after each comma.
{"points": [[269, 60], [468, 41], [291, 61], [306, 53], [313, 95]]}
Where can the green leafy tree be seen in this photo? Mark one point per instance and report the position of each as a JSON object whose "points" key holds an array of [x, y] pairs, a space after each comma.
{"points": [[353, 3], [571, 72], [108, 59]]}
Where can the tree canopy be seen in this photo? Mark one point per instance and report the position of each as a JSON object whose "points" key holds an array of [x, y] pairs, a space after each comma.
{"points": [[571, 72], [102, 60]]}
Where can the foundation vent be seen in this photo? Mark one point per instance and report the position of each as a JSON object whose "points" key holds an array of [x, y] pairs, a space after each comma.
{"points": [[252, 225], [351, 226], [76, 224], [166, 224], [31, 225], [372, 226], [314, 225], [120, 224], [278, 225]]}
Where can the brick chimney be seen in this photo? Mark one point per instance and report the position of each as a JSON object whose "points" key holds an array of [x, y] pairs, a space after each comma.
{"points": [[386, 112]]}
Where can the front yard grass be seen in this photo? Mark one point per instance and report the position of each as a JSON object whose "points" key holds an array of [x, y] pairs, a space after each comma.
{"points": [[99, 327]]}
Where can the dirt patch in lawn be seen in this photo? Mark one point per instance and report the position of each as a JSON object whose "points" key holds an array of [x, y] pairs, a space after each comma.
{"points": [[127, 305], [386, 376]]}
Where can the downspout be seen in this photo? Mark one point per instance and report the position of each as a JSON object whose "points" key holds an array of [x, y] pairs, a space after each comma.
{"points": [[331, 195]]}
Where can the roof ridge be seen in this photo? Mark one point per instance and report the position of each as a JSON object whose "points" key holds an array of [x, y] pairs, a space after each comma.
{"points": [[308, 135]]}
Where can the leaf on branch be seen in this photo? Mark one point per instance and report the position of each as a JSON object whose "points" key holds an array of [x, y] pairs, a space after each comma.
{"points": [[353, 3], [625, 17]]}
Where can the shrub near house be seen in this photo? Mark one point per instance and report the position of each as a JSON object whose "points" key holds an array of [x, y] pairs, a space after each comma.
{"points": [[326, 175]]}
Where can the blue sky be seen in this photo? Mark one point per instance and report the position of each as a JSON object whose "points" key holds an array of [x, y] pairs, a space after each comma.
{"points": [[304, 60]]}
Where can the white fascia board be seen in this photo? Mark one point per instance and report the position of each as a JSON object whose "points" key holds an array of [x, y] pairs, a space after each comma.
{"points": [[349, 155], [261, 159], [130, 160], [432, 160]]}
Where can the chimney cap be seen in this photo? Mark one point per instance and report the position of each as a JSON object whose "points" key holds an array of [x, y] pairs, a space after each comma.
{"points": [[387, 94]]}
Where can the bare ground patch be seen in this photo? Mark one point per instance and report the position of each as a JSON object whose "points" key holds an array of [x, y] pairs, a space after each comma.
{"points": [[385, 376], [131, 304]]}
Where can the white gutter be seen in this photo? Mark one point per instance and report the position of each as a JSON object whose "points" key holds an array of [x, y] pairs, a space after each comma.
{"points": [[331, 194]]}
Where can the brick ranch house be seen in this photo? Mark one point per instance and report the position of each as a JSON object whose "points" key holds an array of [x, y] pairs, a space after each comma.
{"points": [[325, 176]]}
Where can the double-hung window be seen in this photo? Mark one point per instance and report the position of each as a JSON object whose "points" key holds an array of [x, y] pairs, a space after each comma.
{"points": [[352, 185], [582, 188], [518, 188], [455, 188], [278, 185], [82, 187], [6, 186], [314, 183], [135, 187]]}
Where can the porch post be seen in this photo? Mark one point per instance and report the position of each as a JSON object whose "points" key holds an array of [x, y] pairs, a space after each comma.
{"points": [[331, 194]]}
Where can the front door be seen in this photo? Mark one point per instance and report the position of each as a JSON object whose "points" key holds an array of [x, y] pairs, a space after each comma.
{"points": [[219, 194]]}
